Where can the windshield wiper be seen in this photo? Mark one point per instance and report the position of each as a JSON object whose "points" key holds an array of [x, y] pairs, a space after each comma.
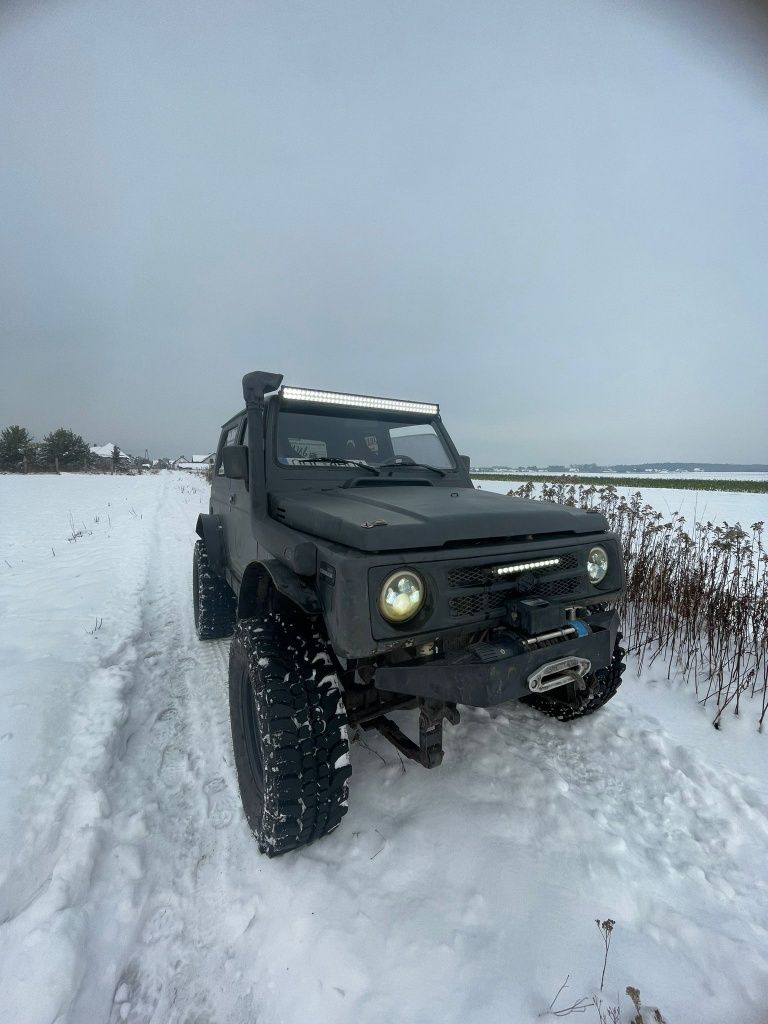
{"points": [[331, 460], [406, 460]]}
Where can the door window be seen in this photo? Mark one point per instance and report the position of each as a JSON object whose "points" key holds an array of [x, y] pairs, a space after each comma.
{"points": [[227, 438]]}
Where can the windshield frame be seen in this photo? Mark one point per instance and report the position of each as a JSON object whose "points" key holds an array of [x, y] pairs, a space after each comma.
{"points": [[330, 472]]}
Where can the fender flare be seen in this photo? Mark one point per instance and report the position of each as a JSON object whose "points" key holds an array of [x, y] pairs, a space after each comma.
{"points": [[210, 530], [284, 581]]}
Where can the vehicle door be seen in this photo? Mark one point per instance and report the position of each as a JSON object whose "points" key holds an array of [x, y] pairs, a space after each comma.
{"points": [[221, 491], [240, 542], [220, 483]]}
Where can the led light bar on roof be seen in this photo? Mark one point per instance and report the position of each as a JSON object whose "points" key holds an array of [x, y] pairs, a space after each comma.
{"points": [[358, 401], [540, 563]]}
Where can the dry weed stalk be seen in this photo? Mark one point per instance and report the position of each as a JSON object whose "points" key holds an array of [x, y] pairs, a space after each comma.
{"points": [[608, 1013], [606, 931]]}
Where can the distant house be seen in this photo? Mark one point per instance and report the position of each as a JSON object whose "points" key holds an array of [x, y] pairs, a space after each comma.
{"points": [[187, 466], [197, 464], [102, 455]]}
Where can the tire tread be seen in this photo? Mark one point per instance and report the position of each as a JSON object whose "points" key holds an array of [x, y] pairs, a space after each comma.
{"points": [[215, 605], [303, 728]]}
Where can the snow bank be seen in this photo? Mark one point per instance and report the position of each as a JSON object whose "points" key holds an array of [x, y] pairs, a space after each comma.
{"points": [[131, 890]]}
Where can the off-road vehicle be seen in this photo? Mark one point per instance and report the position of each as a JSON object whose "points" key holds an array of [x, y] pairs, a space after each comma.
{"points": [[361, 573]]}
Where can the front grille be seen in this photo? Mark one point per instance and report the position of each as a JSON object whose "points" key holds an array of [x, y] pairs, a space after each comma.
{"points": [[558, 588], [482, 575], [491, 600], [476, 604], [457, 642], [468, 576]]}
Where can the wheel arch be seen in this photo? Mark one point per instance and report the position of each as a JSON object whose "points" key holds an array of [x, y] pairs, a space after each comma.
{"points": [[268, 575], [210, 530]]}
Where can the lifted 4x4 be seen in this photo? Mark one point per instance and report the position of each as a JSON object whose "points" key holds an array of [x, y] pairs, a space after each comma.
{"points": [[361, 572]]}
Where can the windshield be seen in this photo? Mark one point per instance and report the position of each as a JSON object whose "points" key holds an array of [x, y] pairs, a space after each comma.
{"points": [[328, 439]]}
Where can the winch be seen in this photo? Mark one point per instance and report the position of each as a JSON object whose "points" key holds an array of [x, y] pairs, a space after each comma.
{"points": [[535, 624]]}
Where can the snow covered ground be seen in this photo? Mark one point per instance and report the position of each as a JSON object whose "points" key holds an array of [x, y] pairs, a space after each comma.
{"points": [[697, 506], [131, 890], [681, 475]]}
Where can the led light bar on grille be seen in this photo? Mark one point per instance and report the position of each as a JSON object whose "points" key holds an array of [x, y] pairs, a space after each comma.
{"points": [[358, 401], [540, 563]]}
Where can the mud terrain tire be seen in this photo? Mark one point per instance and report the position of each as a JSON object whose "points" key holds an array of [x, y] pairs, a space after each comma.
{"points": [[212, 599], [602, 686], [289, 731]]}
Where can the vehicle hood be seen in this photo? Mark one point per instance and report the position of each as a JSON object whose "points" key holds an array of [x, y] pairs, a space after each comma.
{"points": [[409, 517]]}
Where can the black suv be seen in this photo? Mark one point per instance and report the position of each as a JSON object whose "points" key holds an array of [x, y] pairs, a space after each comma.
{"points": [[361, 572]]}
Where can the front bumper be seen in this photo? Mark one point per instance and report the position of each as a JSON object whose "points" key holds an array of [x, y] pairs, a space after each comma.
{"points": [[461, 678]]}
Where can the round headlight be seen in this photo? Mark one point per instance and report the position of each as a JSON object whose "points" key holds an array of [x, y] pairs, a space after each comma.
{"points": [[402, 595], [597, 565]]}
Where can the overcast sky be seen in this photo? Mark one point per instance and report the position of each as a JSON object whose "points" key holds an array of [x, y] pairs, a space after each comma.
{"points": [[551, 217]]}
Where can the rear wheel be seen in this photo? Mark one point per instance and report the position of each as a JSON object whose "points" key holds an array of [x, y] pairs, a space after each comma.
{"points": [[566, 703], [212, 599], [289, 731]]}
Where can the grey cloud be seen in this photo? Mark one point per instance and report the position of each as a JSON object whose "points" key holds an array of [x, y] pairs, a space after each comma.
{"points": [[550, 217]]}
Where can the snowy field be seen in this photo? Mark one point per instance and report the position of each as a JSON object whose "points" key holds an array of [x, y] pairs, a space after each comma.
{"points": [[131, 889], [682, 475], [696, 506]]}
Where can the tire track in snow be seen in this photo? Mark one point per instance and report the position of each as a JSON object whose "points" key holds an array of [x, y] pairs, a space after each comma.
{"points": [[173, 805]]}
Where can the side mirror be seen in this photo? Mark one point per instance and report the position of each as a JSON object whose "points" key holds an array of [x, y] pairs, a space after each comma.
{"points": [[235, 461], [465, 462]]}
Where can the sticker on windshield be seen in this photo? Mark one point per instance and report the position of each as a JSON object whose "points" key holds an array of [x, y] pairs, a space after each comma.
{"points": [[304, 448]]}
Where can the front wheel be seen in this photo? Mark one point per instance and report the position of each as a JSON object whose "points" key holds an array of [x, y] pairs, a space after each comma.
{"points": [[601, 686], [289, 731]]}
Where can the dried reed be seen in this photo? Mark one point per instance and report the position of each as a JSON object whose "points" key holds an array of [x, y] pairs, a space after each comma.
{"points": [[696, 601]]}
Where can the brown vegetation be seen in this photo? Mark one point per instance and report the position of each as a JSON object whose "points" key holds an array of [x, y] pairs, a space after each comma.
{"points": [[696, 600]]}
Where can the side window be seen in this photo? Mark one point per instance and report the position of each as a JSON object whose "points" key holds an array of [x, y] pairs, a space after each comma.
{"points": [[227, 438]]}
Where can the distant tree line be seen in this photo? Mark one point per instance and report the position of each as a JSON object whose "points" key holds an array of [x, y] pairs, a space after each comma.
{"points": [[59, 451]]}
